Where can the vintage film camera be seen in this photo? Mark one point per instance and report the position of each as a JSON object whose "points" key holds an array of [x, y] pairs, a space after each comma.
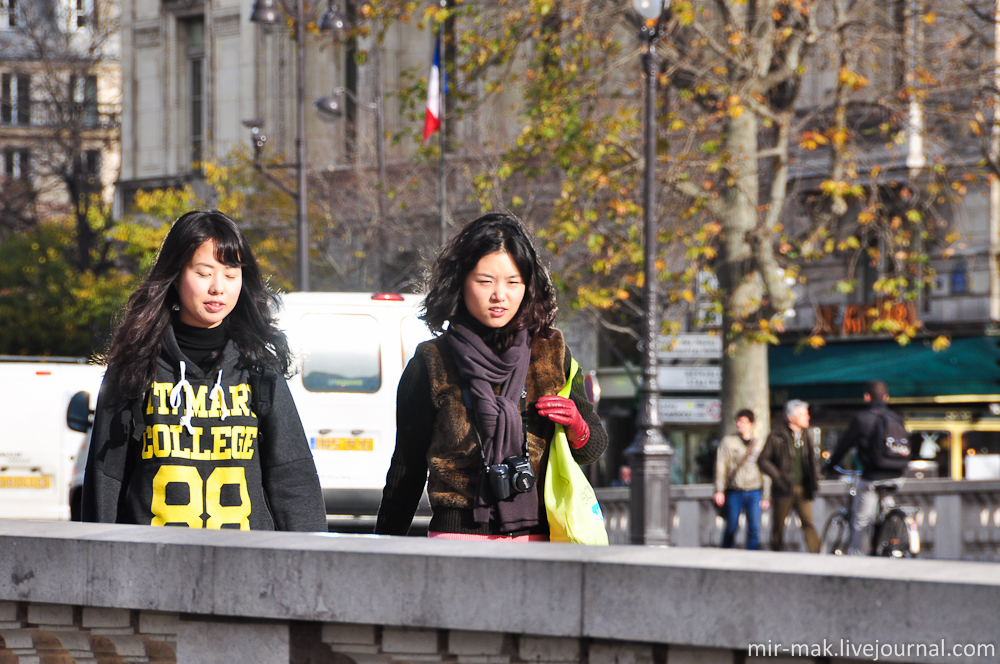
{"points": [[512, 476]]}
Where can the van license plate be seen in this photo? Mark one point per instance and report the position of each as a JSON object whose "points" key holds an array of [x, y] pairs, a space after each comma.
{"points": [[30, 482], [343, 444]]}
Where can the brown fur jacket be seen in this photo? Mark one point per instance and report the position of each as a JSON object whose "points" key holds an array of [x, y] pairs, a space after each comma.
{"points": [[435, 441]]}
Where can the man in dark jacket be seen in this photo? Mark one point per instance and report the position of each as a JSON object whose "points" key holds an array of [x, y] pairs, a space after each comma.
{"points": [[790, 459], [860, 435]]}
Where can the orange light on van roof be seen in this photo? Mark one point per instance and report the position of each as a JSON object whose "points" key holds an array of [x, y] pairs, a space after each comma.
{"points": [[388, 297]]}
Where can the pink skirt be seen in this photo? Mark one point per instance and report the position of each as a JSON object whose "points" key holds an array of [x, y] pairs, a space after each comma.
{"points": [[489, 538]]}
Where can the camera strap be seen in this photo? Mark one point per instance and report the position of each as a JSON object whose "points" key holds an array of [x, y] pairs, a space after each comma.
{"points": [[471, 411]]}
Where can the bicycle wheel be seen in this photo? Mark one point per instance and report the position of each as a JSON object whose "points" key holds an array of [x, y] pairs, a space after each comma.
{"points": [[836, 534], [893, 538]]}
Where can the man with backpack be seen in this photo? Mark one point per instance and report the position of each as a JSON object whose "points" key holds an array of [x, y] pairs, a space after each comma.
{"points": [[883, 448]]}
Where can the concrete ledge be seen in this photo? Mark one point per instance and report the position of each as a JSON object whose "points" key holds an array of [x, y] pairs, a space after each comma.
{"points": [[701, 598]]}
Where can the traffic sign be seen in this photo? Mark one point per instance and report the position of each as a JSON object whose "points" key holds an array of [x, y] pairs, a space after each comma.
{"points": [[690, 347], [690, 411], [689, 379]]}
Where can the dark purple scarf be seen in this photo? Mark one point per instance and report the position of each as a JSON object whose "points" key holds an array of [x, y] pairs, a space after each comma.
{"points": [[499, 417]]}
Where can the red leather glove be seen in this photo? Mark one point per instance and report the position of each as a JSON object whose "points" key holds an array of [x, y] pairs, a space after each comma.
{"points": [[563, 411]]}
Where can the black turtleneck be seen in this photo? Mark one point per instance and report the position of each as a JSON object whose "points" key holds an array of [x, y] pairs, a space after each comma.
{"points": [[200, 344]]}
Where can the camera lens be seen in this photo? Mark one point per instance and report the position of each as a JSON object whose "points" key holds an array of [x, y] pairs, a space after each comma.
{"points": [[523, 482], [521, 476]]}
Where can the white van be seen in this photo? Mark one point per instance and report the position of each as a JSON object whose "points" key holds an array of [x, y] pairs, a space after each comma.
{"points": [[38, 445], [350, 352]]}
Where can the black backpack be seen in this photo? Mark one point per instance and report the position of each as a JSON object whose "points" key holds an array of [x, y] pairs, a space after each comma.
{"points": [[889, 447]]}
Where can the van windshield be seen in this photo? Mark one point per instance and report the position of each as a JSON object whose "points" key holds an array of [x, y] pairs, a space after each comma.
{"points": [[341, 353]]}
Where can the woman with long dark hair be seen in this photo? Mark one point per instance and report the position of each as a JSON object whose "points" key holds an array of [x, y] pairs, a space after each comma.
{"points": [[195, 424], [477, 406]]}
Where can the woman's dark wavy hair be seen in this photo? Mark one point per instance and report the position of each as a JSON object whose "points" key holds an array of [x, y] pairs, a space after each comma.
{"points": [[131, 356], [486, 235]]}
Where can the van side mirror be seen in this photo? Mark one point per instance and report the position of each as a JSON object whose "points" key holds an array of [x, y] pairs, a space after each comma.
{"points": [[79, 416]]}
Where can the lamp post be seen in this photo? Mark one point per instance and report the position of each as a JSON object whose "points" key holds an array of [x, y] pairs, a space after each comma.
{"points": [[265, 12], [649, 454]]}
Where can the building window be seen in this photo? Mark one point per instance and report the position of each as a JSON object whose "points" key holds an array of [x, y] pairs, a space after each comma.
{"points": [[8, 14], [15, 99], [194, 36], [960, 279], [78, 14], [83, 92], [17, 164], [87, 167]]}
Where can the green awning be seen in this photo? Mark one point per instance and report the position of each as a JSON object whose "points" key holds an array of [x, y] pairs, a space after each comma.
{"points": [[840, 370]]}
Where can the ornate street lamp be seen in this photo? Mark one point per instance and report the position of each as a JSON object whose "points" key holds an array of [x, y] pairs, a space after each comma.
{"points": [[649, 454], [266, 12]]}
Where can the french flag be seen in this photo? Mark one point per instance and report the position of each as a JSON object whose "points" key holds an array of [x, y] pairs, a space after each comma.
{"points": [[437, 83]]}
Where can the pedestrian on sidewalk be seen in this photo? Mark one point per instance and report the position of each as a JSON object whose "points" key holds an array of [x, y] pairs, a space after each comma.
{"points": [[791, 459], [739, 485]]}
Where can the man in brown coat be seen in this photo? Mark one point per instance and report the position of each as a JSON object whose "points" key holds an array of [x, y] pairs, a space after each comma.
{"points": [[791, 460]]}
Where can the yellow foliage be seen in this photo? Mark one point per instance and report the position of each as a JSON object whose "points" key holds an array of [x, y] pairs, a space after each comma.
{"points": [[811, 140], [941, 343], [853, 80]]}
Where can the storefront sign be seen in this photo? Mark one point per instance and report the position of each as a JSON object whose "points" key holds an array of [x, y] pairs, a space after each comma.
{"points": [[690, 347], [689, 379], [690, 411]]}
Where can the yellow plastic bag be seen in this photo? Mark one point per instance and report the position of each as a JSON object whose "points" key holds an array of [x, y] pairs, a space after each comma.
{"points": [[570, 502]]}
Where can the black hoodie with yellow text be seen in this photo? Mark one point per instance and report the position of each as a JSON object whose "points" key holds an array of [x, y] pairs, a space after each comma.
{"points": [[194, 453]]}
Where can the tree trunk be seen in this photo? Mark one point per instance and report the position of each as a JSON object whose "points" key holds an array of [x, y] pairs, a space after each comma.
{"points": [[744, 363]]}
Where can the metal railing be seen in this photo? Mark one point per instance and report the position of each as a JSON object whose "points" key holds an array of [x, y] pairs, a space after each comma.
{"points": [[958, 519], [66, 114]]}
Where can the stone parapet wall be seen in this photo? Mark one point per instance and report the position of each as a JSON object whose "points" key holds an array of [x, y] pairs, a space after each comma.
{"points": [[102, 593], [958, 519]]}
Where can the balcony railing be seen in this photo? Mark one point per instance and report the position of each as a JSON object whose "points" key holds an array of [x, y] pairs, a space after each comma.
{"points": [[62, 115]]}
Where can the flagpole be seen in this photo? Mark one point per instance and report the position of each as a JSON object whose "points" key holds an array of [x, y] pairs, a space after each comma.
{"points": [[442, 179]]}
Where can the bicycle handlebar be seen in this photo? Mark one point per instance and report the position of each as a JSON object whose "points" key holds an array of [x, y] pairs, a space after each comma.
{"points": [[846, 472]]}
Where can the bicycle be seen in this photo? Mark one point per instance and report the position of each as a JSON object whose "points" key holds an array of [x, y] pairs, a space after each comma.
{"points": [[895, 532]]}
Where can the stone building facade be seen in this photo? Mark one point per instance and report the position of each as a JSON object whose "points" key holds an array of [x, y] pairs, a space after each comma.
{"points": [[60, 99]]}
